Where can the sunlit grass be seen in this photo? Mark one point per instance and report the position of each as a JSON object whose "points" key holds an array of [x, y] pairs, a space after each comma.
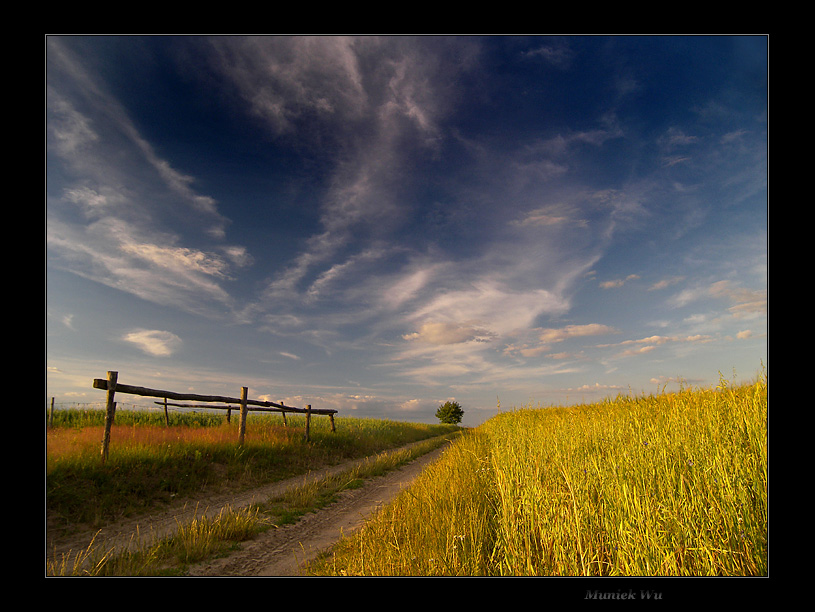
{"points": [[194, 541], [204, 537], [666, 485], [151, 464]]}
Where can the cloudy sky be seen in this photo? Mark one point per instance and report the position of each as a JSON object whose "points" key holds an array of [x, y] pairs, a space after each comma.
{"points": [[379, 224]]}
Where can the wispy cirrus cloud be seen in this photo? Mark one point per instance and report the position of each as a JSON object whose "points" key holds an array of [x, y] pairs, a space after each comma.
{"points": [[553, 215], [649, 344], [410, 217], [619, 282], [665, 283], [127, 196], [744, 302], [112, 252], [545, 338], [373, 102]]}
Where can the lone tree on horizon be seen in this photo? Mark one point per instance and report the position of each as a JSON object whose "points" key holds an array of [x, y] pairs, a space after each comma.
{"points": [[450, 412]]}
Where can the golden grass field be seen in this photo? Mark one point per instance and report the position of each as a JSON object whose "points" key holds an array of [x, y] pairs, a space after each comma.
{"points": [[673, 484], [667, 485]]}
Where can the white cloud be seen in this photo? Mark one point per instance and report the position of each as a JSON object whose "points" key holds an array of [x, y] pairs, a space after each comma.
{"points": [[128, 195], [617, 283], [554, 215], [650, 343], [326, 280], [91, 201], [667, 282], [544, 338], [113, 129], [111, 251], [490, 304], [574, 331], [746, 302], [238, 255], [407, 286], [314, 88], [559, 55], [449, 333], [289, 80], [637, 351], [69, 128], [154, 342], [176, 260]]}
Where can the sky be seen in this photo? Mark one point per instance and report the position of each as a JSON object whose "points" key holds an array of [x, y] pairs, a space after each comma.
{"points": [[380, 224]]}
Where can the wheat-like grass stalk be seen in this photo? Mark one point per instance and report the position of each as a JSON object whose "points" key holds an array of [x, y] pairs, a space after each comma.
{"points": [[667, 485]]}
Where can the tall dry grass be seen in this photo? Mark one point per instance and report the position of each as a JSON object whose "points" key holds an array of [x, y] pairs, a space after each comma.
{"points": [[667, 485]]}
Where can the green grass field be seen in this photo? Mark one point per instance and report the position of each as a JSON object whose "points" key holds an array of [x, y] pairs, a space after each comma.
{"points": [[666, 485], [150, 464]]}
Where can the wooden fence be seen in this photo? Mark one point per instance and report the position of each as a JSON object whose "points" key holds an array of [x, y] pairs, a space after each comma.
{"points": [[112, 385]]}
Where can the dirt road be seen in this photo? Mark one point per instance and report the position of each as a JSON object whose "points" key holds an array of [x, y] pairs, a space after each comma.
{"points": [[276, 552], [282, 551]]}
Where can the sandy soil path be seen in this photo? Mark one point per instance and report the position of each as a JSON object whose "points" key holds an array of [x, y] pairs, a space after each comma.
{"points": [[277, 552]]}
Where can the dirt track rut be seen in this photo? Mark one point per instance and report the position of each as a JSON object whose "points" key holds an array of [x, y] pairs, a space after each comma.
{"points": [[276, 552], [283, 551]]}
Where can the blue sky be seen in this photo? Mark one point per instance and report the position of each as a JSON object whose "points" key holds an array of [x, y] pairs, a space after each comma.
{"points": [[380, 224]]}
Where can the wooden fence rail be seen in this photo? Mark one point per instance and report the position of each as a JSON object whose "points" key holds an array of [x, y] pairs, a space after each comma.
{"points": [[112, 386], [281, 408]]}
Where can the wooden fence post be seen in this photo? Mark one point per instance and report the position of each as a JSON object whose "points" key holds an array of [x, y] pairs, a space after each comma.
{"points": [[110, 413], [308, 421], [51, 414], [333, 429], [244, 410], [166, 414]]}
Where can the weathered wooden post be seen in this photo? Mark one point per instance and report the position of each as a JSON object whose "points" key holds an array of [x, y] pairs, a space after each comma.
{"points": [[166, 414], [110, 412], [285, 423], [333, 429], [244, 410], [308, 421], [51, 414]]}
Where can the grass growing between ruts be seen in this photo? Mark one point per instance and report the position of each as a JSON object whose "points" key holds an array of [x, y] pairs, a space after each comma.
{"points": [[666, 485]]}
